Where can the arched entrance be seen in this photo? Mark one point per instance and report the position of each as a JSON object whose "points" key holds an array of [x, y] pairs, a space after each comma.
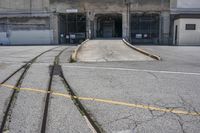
{"points": [[109, 26]]}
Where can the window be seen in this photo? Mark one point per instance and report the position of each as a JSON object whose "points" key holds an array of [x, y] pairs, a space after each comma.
{"points": [[190, 27]]}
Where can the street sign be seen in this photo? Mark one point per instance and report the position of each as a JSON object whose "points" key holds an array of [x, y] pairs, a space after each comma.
{"points": [[72, 10]]}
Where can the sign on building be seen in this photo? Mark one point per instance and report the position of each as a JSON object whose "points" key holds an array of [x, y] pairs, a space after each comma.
{"points": [[72, 10]]}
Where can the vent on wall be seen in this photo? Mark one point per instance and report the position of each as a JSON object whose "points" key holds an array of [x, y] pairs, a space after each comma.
{"points": [[190, 27]]}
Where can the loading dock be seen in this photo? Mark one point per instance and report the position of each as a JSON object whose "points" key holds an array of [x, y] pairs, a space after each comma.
{"points": [[108, 26], [145, 28], [72, 28]]}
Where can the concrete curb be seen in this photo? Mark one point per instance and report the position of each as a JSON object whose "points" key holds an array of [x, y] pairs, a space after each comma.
{"points": [[142, 51], [75, 52]]}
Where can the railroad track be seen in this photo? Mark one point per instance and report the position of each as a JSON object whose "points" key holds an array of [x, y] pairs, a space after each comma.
{"points": [[24, 68], [55, 69]]}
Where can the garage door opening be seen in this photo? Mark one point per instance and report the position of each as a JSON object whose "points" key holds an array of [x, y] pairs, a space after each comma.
{"points": [[109, 26], [72, 28], [145, 28]]}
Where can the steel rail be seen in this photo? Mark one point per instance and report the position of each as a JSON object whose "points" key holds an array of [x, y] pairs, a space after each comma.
{"points": [[46, 106], [92, 124], [17, 85]]}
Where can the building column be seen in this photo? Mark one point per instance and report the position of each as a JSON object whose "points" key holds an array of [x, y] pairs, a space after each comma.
{"points": [[164, 27], [126, 24], [95, 28], [54, 25], [89, 25]]}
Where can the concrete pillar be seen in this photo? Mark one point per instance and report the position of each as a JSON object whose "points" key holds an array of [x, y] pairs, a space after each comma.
{"points": [[126, 24], [54, 25], [90, 25], [46, 5], [164, 27], [95, 28]]}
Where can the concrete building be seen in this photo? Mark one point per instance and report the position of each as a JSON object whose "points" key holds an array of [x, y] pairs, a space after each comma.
{"points": [[72, 21], [143, 21], [25, 22], [185, 16]]}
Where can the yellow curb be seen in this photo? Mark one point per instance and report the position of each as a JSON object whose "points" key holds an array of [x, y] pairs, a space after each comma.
{"points": [[142, 51], [146, 107], [75, 52]]}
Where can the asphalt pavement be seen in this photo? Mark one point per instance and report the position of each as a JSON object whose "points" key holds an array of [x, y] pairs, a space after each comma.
{"points": [[121, 96]]}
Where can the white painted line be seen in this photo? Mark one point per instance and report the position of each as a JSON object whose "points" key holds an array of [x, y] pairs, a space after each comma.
{"points": [[90, 125], [135, 70]]}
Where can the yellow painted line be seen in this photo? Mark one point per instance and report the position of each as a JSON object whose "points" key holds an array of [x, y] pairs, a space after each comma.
{"points": [[24, 89], [147, 107]]}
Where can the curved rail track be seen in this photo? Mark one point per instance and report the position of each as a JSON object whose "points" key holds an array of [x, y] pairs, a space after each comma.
{"points": [[55, 69], [25, 68]]}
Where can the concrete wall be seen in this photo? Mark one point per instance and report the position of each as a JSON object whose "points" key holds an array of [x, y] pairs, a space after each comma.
{"points": [[54, 25], [23, 5], [25, 23], [90, 7], [27, 37], [17, 26], [82, 5], [150, 5], [109, 5], [188, 4], [173, 4], [87, 5], [187, 37], [31, 37], [165, 27], [184, 4], [93, 7], [3, 38], [25, 30]]}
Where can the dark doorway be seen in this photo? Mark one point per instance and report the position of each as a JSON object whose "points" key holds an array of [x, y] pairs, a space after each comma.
{"points": [[72, 28], [109, 25], [145, 28]]}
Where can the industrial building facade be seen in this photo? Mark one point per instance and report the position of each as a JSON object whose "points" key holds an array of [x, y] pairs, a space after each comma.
{"points": [[72, 21]]}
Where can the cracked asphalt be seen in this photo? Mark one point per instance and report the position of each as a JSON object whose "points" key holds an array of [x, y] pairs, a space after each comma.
{"points": [[172, 83]]}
